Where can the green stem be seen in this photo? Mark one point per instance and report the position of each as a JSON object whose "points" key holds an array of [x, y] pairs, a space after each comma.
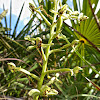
{"points": [[45, 19], [58, 70], [47, 53], [35, 98], [82, 54]]}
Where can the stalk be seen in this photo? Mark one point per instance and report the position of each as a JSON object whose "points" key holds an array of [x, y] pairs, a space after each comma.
{"points": [[47, 53], [59, 70], [82, 54]]}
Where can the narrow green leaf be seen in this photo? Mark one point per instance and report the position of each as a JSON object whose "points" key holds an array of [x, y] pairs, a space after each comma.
{"points": [[75, 5], [14, 32], [10, 15], [34, 67], [95, 85], [3, 14]]}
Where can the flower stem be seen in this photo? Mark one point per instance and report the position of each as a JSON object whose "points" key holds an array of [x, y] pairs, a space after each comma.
{"points": [[47, 53], [58, 70]]}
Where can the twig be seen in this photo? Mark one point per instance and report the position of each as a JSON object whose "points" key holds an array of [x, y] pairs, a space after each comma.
{"points": [[83, 37], [94, 15]]}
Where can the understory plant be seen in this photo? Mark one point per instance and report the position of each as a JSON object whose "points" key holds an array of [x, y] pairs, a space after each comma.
{"points": [[60, 12]]}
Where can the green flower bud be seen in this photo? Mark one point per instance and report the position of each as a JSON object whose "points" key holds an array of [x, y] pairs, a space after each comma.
{"points": [[24, 71], [82, 17], [32, 40], [85, 17], [53, 11], [74, 17], [59, 24], [38, 39], [76, 69], [34, 92], [30, 48], [63, 9], [11, 66], [52, 92], [75, 13], [27, 37]]}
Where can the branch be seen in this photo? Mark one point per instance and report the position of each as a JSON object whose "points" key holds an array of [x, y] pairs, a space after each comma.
{"points": [[58, 70], [94, 14], [83, 37]]}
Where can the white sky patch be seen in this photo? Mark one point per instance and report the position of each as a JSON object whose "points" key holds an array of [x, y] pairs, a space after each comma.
{"points": [[90, 71], [78, 5], [98, 7], [16, 7], [93, 5], [26, 21], [68, 22]]}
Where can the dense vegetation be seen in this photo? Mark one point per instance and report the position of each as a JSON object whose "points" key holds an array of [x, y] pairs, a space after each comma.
{"points": [[71, 70]]}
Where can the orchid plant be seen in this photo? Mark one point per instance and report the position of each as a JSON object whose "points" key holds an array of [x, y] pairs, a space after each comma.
{"points": [[60, 13]]}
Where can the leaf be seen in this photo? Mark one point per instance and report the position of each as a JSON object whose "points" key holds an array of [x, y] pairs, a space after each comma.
{"points": [[3, 14], [96, 86], [34, 93], [75, 5], [14, 32]]}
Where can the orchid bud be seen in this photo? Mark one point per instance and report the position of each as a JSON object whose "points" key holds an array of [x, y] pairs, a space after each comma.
{"points": [[57, 74], [59, 24], [75, 13], [74, 17], [72, 73], [82, 17], [11, 66], [34, 92], [52, 92], [85, 17], [63, 9], [53, 11], [30, 48], [24, 71], [27, 37], [38, 39], [76, 69]]}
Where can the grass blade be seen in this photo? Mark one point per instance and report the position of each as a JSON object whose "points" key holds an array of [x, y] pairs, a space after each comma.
{"points": [[14, 32]]}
